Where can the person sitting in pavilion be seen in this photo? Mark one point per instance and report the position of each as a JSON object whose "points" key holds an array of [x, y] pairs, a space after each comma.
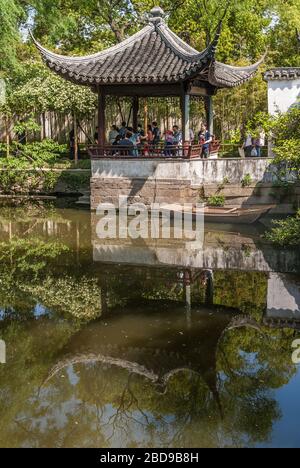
{"points": [[169, 143], [135, 139], [148, 138], [177, 135], [125, 143], [123, 129], [140, 131], [114, 132]]}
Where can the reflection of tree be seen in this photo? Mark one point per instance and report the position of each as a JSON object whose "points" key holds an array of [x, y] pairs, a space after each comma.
{"points": [[25, 281], [97, 404], [246, 291], [23, 261], [252, 364], [31, 348], [68, 296]]}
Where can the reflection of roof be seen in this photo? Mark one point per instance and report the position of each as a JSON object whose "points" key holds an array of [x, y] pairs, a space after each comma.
{"points": [[288, 73], [153, 55], [282, 323], [170, 350]]}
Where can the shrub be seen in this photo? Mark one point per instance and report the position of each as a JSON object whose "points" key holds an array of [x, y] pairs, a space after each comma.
{"points": [[247, 181], [216, 200], [286, 233]]}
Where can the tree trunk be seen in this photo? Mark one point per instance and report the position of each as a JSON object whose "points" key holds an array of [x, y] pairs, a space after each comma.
{"points": [[75, 141], [7, 137]]}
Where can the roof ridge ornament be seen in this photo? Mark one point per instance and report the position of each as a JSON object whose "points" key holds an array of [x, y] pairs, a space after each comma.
{"points": [[156, 15]]}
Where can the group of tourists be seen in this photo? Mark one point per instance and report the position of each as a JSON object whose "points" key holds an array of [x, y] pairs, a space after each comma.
{"points": [[137, 139], [253, 144]]}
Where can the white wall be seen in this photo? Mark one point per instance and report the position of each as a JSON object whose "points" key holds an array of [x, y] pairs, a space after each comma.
{"points": [[283, 297], [282, 94], [212, 256], [198, 171]]}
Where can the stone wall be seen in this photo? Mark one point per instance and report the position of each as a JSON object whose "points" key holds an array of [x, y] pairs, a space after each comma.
{"points": [[139, 190], [180, 181]]}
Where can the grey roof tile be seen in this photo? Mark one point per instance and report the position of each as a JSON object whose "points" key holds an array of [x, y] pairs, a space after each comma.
{"points": [[287, 73], [153, 55]]}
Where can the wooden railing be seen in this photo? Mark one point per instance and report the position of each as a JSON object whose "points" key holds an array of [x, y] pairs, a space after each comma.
{"points": [[162, 151]]}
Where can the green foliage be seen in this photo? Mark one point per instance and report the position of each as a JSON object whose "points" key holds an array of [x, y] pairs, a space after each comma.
{"points": [[223, 184], [28, 255], [37, 167], [216, 200], [75, 181], [11, 14], [29, 127], [261, 120], [40, 90], [235, 137], [44, 153], [27, 171], [246, 181], [286, 232], [286, 131]]}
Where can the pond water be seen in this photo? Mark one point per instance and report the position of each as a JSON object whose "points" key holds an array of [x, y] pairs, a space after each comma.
{"points": [[116, 343]]}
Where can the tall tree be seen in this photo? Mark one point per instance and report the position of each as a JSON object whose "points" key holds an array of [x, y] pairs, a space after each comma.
{"points": [[11, 15]]}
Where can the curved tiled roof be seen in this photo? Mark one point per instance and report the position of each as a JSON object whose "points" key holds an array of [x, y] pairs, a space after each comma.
{"points": [[288, 73], [227, 76], [153, 55]]}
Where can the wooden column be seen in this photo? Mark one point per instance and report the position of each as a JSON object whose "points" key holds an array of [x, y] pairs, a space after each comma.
{"points": [[209, 113], [185, 110], [145, 115], [135, 107], [101, 118]]}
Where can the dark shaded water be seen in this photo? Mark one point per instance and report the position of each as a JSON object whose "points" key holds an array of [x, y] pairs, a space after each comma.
{"points": [[150, 344]]}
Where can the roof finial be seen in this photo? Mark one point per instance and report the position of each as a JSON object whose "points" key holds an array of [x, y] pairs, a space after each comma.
{"points": [[156, 15]]}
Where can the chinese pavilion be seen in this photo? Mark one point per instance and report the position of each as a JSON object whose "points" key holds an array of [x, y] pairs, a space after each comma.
{"points": [[154, 62]]}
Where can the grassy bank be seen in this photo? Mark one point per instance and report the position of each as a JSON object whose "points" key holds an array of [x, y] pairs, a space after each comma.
{"points": [[42, 168]]}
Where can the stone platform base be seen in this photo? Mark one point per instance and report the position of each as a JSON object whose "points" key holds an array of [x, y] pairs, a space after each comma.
{"points": [[140, 190], [170, 181]]}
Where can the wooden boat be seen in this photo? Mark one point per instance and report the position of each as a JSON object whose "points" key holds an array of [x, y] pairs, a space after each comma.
{"points": [[226, 215], [235, 215]]}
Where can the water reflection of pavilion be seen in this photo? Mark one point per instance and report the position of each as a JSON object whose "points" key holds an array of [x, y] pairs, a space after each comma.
{"points": [[227, 248]]}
